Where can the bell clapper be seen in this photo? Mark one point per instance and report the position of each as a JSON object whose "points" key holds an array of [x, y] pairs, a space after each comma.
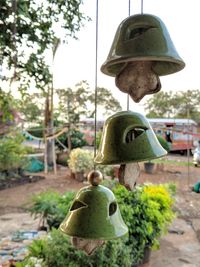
{"points": [[138, 79], [87, 245], [128, 175]]}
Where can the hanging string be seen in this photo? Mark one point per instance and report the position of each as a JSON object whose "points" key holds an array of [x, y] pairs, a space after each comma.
{"points": [[95, 101], [129, 13], [129, 8], [141, 6]]}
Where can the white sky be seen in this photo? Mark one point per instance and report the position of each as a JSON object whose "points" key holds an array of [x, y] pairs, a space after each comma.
{"points": [[75, 61]]}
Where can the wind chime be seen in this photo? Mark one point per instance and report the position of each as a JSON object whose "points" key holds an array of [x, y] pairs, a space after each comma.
{"points": [[142, 51]]}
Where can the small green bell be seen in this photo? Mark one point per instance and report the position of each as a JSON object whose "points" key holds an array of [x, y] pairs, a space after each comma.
{"points": [[143, 37], [128, 137], [94, 214]]}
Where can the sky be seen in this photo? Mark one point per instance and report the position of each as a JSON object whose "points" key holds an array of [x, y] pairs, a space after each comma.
{"points": [[75, 61]]}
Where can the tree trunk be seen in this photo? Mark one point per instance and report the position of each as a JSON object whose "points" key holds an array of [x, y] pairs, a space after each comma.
{"points": [[49, 130]]}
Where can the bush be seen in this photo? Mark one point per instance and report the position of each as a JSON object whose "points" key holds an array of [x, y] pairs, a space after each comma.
{"points": [[147, 212], [51, 207], [80, 160], [57, 251], [12, 152], [77, 139]]}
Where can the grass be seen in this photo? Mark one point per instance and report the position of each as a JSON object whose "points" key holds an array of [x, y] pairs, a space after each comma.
{"points": [[176, 162]]}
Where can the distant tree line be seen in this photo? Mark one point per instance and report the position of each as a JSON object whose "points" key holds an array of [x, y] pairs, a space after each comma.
{"points": [[179, 104]]}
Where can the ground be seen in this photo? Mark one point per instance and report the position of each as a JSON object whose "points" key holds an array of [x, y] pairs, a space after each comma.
{"points": [[179, 248]]}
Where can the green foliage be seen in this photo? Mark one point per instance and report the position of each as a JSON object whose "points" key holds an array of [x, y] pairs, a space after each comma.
{"points": [[12, 152], [80, 160], [163, 143], [51, 207], [36, 131], [37, 248], [76, 137], [29, 30], [172, 162], [6, 106], [30, 108], [106, 101], [147, 212], [74, 103], [59, 252], [174, 105]]}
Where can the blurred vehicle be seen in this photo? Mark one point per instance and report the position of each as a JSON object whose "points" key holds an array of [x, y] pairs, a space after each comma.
{"points": [[180, 134]]}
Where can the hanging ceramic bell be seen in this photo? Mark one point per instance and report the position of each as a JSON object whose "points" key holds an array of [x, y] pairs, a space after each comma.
{"points": [[142, 51], [94, 216], [128, 137]]}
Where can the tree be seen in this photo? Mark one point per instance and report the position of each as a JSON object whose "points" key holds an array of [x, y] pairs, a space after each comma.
{"points": [[80, 101], [181, 104], [159, 105], [28, 32], [8, 114], [30, 108]]}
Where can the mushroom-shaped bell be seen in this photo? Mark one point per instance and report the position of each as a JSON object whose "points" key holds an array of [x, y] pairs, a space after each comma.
{"points": [[128, 137], [142, 51], [94, 216]]}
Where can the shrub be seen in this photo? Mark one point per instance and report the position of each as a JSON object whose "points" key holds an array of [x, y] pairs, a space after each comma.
{"points": [[12, 152], [57, 251], [147, 212], [51, 207], [76, 137], [80, 160]]}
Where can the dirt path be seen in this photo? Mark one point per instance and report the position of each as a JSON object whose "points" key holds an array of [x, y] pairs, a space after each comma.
{"points": [[177, 250], [14, 199]]}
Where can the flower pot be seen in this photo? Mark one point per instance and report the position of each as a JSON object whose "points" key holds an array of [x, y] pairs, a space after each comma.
{"points": [[147, 254], [62, 158], [146, 258], [79, 176], [149, 166]]}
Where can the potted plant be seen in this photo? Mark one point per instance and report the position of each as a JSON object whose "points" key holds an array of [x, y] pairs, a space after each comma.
{"points": [[149, 167], [147, 212], [80, 163], [50, 207]]}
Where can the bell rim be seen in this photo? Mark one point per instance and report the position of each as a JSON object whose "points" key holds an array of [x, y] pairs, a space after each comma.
{"points": [[113, 162], [166, 59], [124, 231]]}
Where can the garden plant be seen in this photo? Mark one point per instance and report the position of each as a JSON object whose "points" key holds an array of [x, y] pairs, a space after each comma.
{"points": [[80, 162], [147, 211]]}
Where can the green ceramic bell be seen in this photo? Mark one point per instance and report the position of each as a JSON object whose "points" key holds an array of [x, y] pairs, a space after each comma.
{"points": [[143, 37], [94, 213], [128, 137]]}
